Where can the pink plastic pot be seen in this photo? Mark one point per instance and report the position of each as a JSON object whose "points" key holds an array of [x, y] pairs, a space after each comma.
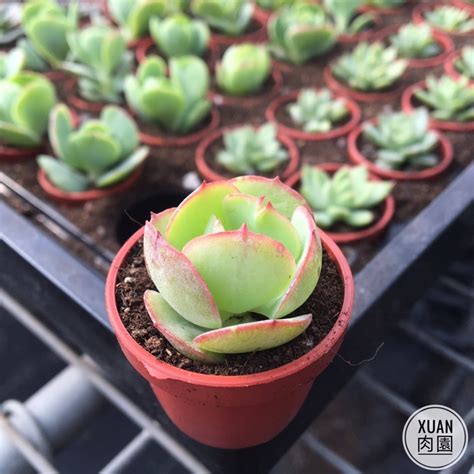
{"points": [[450, 67], [407, 105], [356, 156], [232, 411], [366, 35], [296, 134], [256, 36], [210, 175], [357, 235]]}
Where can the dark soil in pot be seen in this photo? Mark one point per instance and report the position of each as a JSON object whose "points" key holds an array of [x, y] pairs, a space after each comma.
{"points": [[325, 304]]}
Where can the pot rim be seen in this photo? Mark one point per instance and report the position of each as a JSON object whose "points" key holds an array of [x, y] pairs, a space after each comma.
{"points": [[10, 153]]}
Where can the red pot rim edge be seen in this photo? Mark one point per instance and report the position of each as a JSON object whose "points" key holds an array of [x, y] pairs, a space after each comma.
{"points": [[163, 370], [296, 134], [356, 157], [83, 196], [448, 125], [450, 68], [210, 175], [218, 39], [365, 97], [369, 232]]}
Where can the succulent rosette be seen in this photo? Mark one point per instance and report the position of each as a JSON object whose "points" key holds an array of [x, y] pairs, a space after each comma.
{"points": [[230, 263]]}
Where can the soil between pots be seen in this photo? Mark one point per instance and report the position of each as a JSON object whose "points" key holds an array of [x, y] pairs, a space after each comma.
{"points": [[325, 304]]}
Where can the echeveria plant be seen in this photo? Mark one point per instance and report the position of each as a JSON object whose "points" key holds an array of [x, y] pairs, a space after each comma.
{"points": [[177, 103], [231, 17], [448, 98], [179, 35], [465, 63], [99, 154], [415, 41], [403, 140], [346, 17], [11, 63], [300, 32], [249, 150], [244, 69], [25, 102], [451, 19], [369, 67], [346, 197], [230, 262], [317, 111], [100, 59]]}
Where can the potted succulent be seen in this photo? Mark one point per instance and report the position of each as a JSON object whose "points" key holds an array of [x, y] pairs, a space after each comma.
{"points": [[384, 7], [10, 31], [461, 64], [400, 146], [11, 63], [448, 18], [237, 266], [232, 21], [174, 110], [265, 8], [313, 115], [245, 149], [101, 158], [450, 101], [347, 202], [100, 62], [26, 100], [244, 76]]}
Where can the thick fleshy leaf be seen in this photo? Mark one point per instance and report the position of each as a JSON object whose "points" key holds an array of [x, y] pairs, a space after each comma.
{"points": [[242, 269], [160, 221], [251, 337], [178, 281], [15, 135], [113, 48], [62, 175], [191, 76], [152, 68], [121, 127], [141, 14], [60, 128], [179, 332]]}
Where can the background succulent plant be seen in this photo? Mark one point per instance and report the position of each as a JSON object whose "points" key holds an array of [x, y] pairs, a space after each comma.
{"points": [[345, 197], [244, 69], [450, 18], [25, 102], [100, 59], [179, 35], [249, 150], [231, 17], [245, 253], [369, 67], [448, 98], [346, 17], [6, 22], [99, 154], [403, 140], [415, 41], [317, 110], [300, 32], [465, 63], [11, 63], [273, 5], [177, 103]]}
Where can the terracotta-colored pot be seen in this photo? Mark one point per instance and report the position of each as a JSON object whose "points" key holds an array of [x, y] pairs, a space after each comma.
{"points": [[450, 67], [232, 411], [383, 11], [262, 13], [366, 35], [448, 125], [10, 153], [464, 4], [56, 75], [77, 102], [210, 175], [366, 97], [250, 101], [356, 235], [356, 156], [297, 134], [253, 37], [79, 197]]}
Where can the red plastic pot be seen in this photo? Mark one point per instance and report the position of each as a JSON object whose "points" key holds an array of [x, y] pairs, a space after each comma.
{"points": [[210, 175], [357, 235], [76, 101], [365, 35], [232, 411], [464, 4], [253, 100], [296, 134], [383, 11], [356, 156], [450, 67], [451, 126], [56, 75], [366, 97], [11, 153], [67, 197], [256, 36]]}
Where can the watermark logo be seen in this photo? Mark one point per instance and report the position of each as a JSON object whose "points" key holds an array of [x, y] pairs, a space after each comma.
{"points": [[435, 437]]}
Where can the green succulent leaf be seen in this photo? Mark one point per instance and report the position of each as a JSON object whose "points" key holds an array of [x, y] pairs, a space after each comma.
{"points": [[465, 63], [60, 128], [450, 18], [121, 127], [415, 41], [15, 135], [62, 175]]}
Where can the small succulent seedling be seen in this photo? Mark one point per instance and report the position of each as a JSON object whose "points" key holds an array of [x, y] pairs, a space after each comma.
{"points": [[451, 19], [231, 17], [346, 17], [100, 59], [244, 69], [11, 63], [179, 35], [385, 3], [465, 63], [99, 154], [345, 197], [177, 103], [448, 98], [317, 111], [369, 67], [230, 262], [274, 5], [403, 140], [249, 150], [415, 41], [300, 32], [25, 102]]}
